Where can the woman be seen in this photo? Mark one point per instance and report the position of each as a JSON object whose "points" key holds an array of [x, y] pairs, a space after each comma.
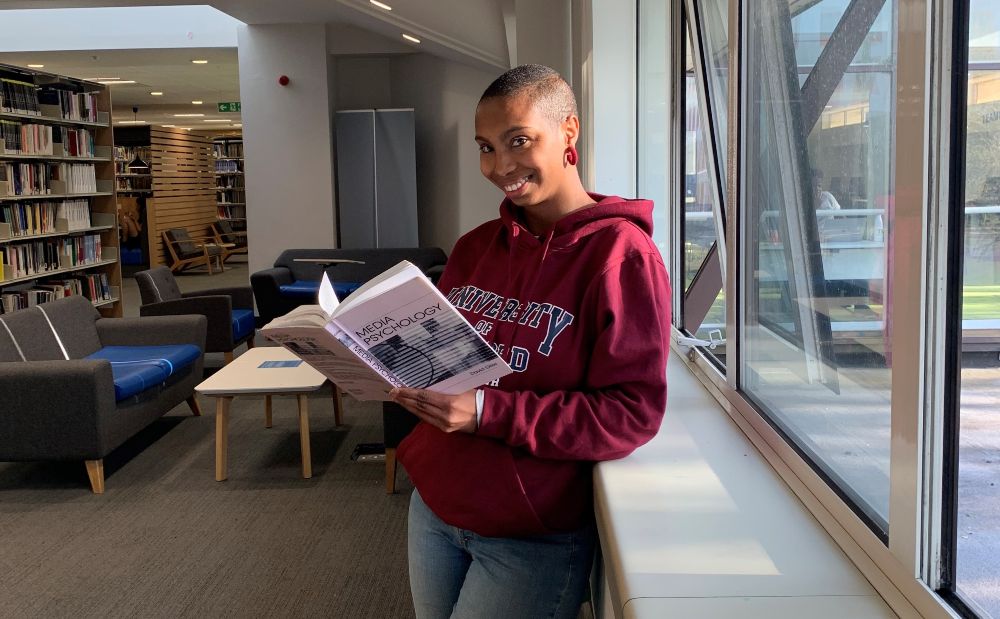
{"points": [[570, 289]]}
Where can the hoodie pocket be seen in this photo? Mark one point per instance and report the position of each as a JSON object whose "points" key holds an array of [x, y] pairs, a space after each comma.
{"points": [[470, 482]]}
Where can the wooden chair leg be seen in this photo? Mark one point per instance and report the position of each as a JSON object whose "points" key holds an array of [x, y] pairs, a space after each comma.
{"points": [[193, 404], [95, 471], [229, 357], [390, 470]]}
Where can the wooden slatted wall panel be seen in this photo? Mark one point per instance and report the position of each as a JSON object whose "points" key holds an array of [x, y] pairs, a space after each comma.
{"points": [[183, 187]]}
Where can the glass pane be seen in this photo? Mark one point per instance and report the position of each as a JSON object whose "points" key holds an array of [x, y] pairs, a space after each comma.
{"points": [[653, 117], [818, 211], [979, 432], [699, 228], [714, 22]]}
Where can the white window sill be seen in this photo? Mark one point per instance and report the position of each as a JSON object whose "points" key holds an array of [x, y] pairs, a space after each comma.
{"points": [[697, 524]]}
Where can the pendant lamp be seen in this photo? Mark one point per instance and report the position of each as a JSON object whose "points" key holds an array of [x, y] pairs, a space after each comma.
{"points": [[137, 163]]}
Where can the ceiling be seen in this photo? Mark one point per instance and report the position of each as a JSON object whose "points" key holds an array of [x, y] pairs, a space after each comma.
{"points": [[169, 71], [470, 31]]}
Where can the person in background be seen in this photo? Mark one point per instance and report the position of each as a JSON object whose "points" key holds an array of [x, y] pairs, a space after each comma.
{"points": [[824, 199], [569, 287]]}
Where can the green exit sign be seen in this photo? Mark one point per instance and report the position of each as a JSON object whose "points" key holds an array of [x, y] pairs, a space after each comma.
{"points": [[229, 106]]}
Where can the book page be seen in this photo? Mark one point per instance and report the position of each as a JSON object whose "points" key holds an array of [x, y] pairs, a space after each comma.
{"points": [[381, 283], [301, 316], [421, 339]]}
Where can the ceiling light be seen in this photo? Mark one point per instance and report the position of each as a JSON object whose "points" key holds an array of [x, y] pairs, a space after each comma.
{"points": [[131, 122], [115, 82], [36, 66], [199, 61], [156, 93], [237, 124], [186, 115], [411, 38], [215, 120], [381, 5], [197, 102], [98, 79], [168, 125]]}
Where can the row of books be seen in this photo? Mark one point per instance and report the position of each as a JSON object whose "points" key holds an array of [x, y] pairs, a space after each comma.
{"points": [[134, 183], [228, 149], [226, 211], [25, 138], [79, 177], [18, 97], [94, 287], [42, 256], [228, 166], [230, 182], [32, 218], [24, 179], [70, 105]]}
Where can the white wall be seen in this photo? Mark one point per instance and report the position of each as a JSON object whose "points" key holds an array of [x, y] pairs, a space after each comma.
{"points": [[544, 34], [363, 82], [452, 195], [289, 166]]}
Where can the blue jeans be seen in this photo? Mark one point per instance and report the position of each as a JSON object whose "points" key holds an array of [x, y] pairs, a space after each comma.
{"points": [[458, 574]]}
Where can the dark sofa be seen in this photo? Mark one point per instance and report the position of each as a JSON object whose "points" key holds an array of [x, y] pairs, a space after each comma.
{"points": [[60, 399], [289, 284]]}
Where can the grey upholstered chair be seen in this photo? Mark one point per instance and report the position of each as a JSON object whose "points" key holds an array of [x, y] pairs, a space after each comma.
{"points": [[229, 310]]}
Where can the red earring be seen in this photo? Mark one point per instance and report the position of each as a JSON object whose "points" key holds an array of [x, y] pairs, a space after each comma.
{"points": [[571, 155]]}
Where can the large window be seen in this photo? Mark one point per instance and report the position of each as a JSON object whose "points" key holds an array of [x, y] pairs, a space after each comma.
{"points": [[818, 205], [975, 528]]}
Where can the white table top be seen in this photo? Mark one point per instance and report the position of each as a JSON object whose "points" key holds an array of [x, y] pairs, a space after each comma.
{"points": [[244, 375]]}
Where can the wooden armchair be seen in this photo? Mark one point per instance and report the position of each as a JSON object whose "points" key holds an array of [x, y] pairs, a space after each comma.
{"points": [[231, 241], [186, 251]]}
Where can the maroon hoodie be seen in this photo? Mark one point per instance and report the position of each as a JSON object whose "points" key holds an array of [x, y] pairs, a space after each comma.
{"points": [[583, 317]]}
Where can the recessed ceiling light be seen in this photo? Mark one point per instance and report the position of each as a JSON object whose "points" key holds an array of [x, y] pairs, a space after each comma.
{"points": [[197, 102], [185, 128], [411, 38], [115, 82], [215, 120], [131, 122], [381, 5], [237, 124], [36, 66], [199, 61], [156, 93], [186, 115], [168, 125]]}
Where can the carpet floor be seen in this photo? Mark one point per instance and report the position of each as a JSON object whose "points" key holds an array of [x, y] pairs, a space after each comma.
{"points": [[167, 540]]}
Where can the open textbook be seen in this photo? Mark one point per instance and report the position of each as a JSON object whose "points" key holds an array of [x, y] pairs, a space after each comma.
{"points": [[397, 330]]}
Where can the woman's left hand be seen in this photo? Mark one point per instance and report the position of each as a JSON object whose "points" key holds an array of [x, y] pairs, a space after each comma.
{"points": [[448, 413]]}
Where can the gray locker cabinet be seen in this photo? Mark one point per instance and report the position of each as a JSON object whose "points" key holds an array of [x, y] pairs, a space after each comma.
{"points": [[376, 178]]}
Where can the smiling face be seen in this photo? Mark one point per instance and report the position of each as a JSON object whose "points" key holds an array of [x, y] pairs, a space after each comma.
{"points": [[522, 150]]}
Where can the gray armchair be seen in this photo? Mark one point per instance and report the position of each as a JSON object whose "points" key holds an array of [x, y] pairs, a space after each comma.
{"points": [[62, 396], [229, 310]]}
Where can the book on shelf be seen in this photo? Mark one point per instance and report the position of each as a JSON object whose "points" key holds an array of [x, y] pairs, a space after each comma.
{"points": [[396, 330]]}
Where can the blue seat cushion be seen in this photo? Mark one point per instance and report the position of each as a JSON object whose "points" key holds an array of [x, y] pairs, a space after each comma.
{"points": [[300, 289], [308, 290], [137, 368], [243, 323]]}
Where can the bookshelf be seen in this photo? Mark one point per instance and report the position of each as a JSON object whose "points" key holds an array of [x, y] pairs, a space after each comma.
{"points": [[177, 190], [230, 188], [58, 215]]}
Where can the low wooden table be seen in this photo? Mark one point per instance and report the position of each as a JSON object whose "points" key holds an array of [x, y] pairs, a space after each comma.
{"points": [[245, 376]]}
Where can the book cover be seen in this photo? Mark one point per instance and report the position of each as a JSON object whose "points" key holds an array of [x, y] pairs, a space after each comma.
{"points": [[395, 330]]}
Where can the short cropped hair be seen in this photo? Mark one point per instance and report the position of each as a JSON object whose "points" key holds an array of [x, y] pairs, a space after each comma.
{"points": [[543, 85]]}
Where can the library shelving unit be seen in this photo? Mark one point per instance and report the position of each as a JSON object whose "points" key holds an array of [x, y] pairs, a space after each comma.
{"points": [[58, 215], [230, 188], [180, 181]]}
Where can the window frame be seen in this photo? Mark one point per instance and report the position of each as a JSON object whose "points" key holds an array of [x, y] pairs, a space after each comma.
{"points": [[923, 88]]}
